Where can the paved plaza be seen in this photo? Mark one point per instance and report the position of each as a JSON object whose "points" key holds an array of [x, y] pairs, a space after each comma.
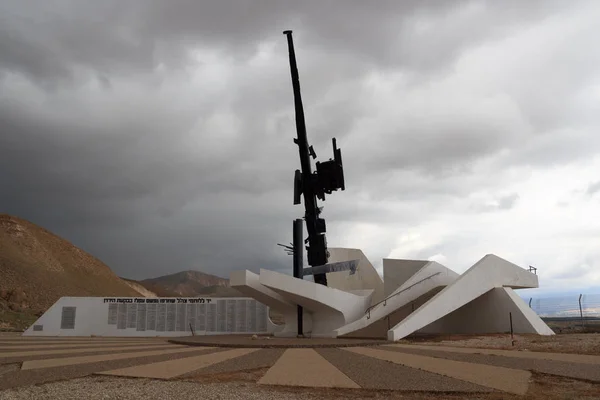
{"points": [[26, 361]]}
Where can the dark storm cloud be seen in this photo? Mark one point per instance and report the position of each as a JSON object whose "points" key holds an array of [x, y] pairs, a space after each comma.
{"points": [[49, 39], [113, 139]]}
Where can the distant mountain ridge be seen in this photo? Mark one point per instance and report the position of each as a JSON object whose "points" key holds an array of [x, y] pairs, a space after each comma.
{"points": [[191, 284]]}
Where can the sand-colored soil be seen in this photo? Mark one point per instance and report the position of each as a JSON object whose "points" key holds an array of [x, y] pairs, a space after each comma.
{"points": [[580, 343]]}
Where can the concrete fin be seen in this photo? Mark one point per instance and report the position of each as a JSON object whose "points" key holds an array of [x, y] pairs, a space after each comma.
{"points": [[366, 276], [429, 277], [489, 272], [397, 271]]}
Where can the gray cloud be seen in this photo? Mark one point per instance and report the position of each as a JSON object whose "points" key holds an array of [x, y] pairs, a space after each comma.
{"points": [[502, 203], [508, 202], [593, 188], [158, 136], [582, 268]]}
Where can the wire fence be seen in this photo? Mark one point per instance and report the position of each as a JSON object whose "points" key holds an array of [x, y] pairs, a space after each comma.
{"points": [[568, 313]]}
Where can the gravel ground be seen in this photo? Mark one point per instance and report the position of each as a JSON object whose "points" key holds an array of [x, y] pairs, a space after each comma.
{"points": [[36, 376], [272, 342], [363, 370], [572, 370], [6, 368], [371, 373], [100, 388], [579, 343], [96, 388]]}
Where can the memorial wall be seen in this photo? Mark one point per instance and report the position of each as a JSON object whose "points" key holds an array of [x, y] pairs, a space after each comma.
{"points": [[139, 316]]}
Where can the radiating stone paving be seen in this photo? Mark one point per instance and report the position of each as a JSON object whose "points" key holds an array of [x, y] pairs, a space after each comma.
{"points": [[28, 361], [174, 368], [65, 361], [505, 379], [306, 367]]}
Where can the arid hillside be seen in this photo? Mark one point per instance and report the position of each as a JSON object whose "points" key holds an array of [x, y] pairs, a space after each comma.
{"points": [[37, 268], [138, 287]]}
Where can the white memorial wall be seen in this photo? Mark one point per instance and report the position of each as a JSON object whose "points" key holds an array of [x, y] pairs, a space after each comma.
{"points": [[141, 316]]}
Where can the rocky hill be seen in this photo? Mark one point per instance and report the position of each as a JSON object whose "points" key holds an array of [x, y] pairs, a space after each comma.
{"points": [[135, 285], [37, 268], [191, 283]]}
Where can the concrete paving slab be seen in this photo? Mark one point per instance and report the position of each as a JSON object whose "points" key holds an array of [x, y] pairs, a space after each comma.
{"points": [[58, 362], [268, 341], [37, 376], [81, 339], [306, 367], [174, 368], [65, 342], [565, 357], [263, 358], [586, 372], [13, 354], [372, 373], [500, 378], [38, 346], [90, 352]]}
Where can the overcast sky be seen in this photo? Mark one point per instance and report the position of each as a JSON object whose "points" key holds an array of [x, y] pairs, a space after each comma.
{"points": [[157, 135]]}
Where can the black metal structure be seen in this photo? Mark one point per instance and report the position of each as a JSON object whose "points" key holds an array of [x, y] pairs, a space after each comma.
{"points": [[298, 261], [329, 177]]}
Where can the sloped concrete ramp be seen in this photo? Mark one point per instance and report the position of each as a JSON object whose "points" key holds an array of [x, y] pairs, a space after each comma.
{"points": [[430, 276], [491, 272]]}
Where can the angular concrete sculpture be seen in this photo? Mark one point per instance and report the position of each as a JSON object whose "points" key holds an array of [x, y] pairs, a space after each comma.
{"points": [[365, 277], [489, 313], [428, 280], [248, 283], [416, 296], [329, 308]]}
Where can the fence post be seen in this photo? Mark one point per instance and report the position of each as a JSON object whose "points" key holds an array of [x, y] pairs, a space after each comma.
{"points": [[581, 312], [512, 339]]}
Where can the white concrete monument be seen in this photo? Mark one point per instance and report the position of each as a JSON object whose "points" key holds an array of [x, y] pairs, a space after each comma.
{"points": [[416, 296]]}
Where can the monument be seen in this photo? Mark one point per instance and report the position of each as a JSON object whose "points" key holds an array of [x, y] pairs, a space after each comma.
{"points": [[349, 298], [151, 317], [329, 177]]}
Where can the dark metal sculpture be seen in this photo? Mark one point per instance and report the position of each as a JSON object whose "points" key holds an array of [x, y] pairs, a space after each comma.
{"points": [[329, 177], [297, 253]]}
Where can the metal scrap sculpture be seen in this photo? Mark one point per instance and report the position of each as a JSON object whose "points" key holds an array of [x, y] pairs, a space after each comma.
{"points": [[328, 177]]}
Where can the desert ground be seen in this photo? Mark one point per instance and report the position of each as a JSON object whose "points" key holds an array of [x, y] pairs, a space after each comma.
{"points": [[34, 368]]}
